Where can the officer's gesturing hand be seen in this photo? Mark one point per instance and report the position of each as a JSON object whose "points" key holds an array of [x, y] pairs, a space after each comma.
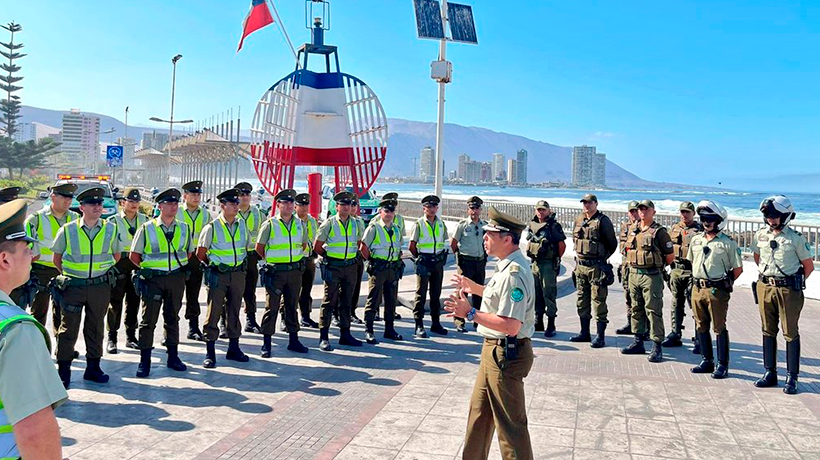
{"points": [[467, 285]]}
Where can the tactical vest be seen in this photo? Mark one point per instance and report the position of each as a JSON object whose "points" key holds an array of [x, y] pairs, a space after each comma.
{"points": [[587, 237], [86, 258], [310, 227], [431, 242], [342, 241], [385, 246], [542, 248], [195, 225], [9, 316], [228, 248], [681, 238], [253, 223], [47, 227], [642, 252], [125, 231], [158, 254], [284, 244]]}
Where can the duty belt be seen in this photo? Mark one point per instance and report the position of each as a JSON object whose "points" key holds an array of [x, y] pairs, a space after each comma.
{"points": [[776, 280], [471, 258], [590, 262], [503, 342], [706, 283], [148, 273], [333, 262], [433, 258], [102, 279], [683, 264], [224, 268], [645, 271], [287, 267]]}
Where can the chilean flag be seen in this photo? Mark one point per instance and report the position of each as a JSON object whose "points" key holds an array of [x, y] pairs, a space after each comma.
{"points": [[258, 17]]}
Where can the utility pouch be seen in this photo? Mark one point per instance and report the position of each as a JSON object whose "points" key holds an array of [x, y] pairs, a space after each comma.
{"points": [[511, 348], [421, 268], [754, 291], [609, 274], [325, 272], [138, 282]]}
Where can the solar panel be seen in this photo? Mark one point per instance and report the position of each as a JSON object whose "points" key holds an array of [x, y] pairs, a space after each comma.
{"points": [[462, 27], [428, 19]]}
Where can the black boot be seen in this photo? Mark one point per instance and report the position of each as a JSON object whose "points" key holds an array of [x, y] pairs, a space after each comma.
{"points": [[346, 338], [437, 328], [550, 330], [674, 337], [369, 336], [722, 370], [627, 329], [131, 339], [582, 336], [144, 367], [174, 363], [111, 346], [656, 355], [210, 355], [634, 348], [265, 351], [251, 325], [324, 343], [539, 322], [390, 333], [93, 372], [294, 344], [672, 340], [420, 332], [599, 341], [769, 378], [193, 330], [307, 322], [707, 362], [234, 353], [792, 366], [64, 371]]}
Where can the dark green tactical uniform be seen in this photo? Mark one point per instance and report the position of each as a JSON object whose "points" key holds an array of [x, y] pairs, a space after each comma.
{"points": [[680, 279]]}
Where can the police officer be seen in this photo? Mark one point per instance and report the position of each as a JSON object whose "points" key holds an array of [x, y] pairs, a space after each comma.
{"points": [[595, 241], [43, 226], [196, 217], [429, 245], [9, 194], [716, 263], [623, 269], [649, 248], [507, 322], [784, 261], [398, 219], [253, 221], [381, 246], [281, 244], [162, 249], [545, 248], [337, 241], [222, 248], [680, 279], [29, 386], [357, 288], [128, 221], [310, 227], [85, 250], [468, 246]]}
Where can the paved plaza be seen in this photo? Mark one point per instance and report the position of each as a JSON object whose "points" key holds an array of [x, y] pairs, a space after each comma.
{"points": [[409, 400]]}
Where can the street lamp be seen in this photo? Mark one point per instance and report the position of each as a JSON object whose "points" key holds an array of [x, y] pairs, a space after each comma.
{"points": [[173, 89]]}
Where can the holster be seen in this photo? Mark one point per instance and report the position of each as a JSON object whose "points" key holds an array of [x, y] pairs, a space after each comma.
{"points": [[210, 276], [139, 283], [609, 274], [421, 268], [754, 291], [324, 270], [266, 276]]}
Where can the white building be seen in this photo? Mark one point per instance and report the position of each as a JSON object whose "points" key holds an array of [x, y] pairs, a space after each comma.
{"points": [[512, 170], [588, 167], [80, 137], [498, 166], [521, 167], [427, 164]]}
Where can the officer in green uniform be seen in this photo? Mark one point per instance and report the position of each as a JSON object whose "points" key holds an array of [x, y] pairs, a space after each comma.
{"points": [[162, 249], [381, 246], [196, 217], [281, 245], [357, 288], [310, 228], [85, 251], [507, 322], [337, 241], [128, 221], [623, 269], [545, 248], [223, 247], [429, 245], [595, 241], [649, 248], [398, 219], [716, 263], [784, 261], [468, 246], [680, 279], [43, 226], [253, 221], [29, 386]]}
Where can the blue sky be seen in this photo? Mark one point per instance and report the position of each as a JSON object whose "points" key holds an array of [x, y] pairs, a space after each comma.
{"points": [[695, 92]]}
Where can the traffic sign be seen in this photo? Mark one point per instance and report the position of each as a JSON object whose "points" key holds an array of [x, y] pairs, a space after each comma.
{"points": [[113, 154]]}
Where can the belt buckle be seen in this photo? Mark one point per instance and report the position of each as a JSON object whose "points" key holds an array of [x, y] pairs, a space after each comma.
{"points": [[771, 281]]}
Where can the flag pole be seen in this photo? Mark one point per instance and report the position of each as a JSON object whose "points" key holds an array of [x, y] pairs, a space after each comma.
{"points": [[284, 32]]}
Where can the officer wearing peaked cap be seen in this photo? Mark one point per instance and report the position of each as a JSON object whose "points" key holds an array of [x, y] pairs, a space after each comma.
{"points": [[357, 286], [302, 201], [29, 385], [680, 279], [398, 219], [429, 244], [623, 269], [9, 194], [196, 217], [545, 248], [508, 302], [468, 246], [253, 221]]}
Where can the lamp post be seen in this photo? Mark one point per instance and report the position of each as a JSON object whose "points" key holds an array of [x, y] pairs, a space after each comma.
{"points": [[173, 88]]}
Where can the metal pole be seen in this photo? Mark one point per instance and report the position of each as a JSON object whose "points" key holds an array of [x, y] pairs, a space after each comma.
{"points": [[442, 54], [171, 121]]}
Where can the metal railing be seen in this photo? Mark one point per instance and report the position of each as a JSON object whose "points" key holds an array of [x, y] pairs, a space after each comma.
{"points": [[741, 230]]}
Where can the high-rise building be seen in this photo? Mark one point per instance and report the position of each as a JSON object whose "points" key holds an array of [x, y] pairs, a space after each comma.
{"points": [[588, 167], [128, 148], [154, 140], [498, 166], [521, 167], [463, 161], [511, 171], [427, 164], [24, 132], [81, 138], [486, 172]]}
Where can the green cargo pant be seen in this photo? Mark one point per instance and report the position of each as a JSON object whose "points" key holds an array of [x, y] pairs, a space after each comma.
{"points": [[546, 287], [592, 290], [646, 291], [679, 283]]}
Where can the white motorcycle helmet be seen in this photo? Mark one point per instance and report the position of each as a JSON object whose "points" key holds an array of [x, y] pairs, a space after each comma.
{"points": [[778, 206], [708, 208]]}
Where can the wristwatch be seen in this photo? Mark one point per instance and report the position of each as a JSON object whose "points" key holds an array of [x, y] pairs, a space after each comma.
{"points": [[471, 314]]}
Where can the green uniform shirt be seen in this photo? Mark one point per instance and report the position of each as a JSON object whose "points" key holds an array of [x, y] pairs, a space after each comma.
{"points": [[264, 232], [138, 246], [60, 242], [207, 235], [324, 230], [28, 379], [470, 237], [510, 293], [32, 223], [722, 256], [791, 248], [183, 212], [370, 232]]}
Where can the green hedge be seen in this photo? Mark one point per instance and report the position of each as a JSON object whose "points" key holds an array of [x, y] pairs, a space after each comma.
{"points": [[29, 187]]}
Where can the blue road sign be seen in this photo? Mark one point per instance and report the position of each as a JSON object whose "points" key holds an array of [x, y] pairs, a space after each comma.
{"points": [[113, 154]]}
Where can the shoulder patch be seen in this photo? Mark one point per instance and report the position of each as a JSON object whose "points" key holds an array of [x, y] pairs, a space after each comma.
{"points": [[514, 268], [669, 244], [738, 251], [517, 294]]}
